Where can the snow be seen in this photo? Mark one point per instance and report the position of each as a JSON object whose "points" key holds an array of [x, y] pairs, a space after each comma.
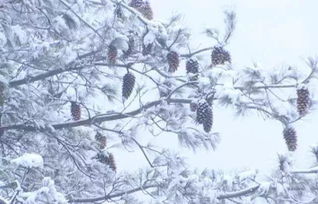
{"points": [[29, 160], [149, 38], [20, 33], [3, 80], [120, 43], [3, 201], [3, 39], [47, 192]]}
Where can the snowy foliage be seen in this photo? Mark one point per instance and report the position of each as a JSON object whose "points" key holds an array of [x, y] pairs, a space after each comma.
{"points": [[57, 53], [29, 160]]}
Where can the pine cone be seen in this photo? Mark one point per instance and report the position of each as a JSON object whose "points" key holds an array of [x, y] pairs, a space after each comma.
{"points": [[136, 3], [112, 54], [290, 138], [147, 49], [101, 139], [303, 101], [220, 56], [75, 110], [173, 61], [111, 162], [128, 85], [143, 7], [107, 159], [192, 66], [205, 115], [146, 10]]}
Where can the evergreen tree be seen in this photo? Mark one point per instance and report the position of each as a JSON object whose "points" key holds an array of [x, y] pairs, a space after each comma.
{"points": [[90, 55]]}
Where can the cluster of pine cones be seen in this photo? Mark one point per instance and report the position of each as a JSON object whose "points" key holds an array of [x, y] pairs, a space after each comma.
{"points": [[107, 159], [303, 105], [219, 56]]}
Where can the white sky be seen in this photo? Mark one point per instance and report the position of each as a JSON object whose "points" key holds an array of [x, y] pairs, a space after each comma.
{"points": [[271, 33]]}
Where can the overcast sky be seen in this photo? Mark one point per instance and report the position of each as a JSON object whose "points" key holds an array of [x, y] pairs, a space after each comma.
{"points": [[272, 33]]}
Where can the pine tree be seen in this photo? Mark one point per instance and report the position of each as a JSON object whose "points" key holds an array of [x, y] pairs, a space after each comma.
{"points": [[54, 52]]}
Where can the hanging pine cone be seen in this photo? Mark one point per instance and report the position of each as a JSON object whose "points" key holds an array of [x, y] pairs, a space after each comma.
{"points": [[101, 139], [303, 101], [128, 85], [111, 162], [192, 66], [143, 7], [220, 56], [136, 3], [75, 110], [290, 138], [173, 61], [112, 54], [146, 10], [205, 115], [107, 159]]}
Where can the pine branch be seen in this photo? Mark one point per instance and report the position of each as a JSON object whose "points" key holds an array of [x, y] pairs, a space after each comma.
{"points": [[111, 196], [81, 19], [313, 170], [196, 52], [240, 193], [69, 67], [96, 119]]}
